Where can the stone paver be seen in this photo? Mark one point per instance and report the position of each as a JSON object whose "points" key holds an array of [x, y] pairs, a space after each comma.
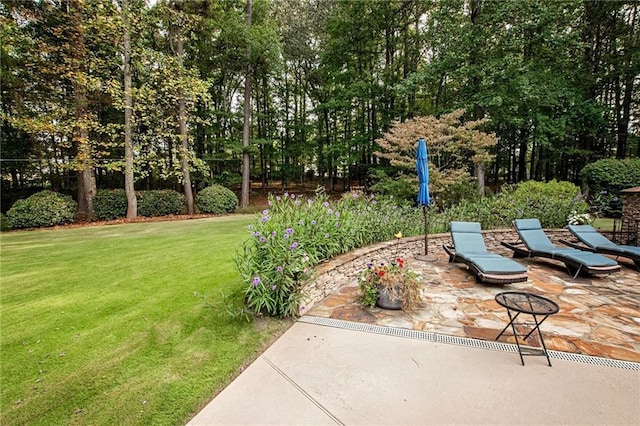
{"points": [[599, 315]]}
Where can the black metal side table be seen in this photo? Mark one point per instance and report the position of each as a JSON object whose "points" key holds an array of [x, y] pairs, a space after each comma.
{"points": [[526, 303]]}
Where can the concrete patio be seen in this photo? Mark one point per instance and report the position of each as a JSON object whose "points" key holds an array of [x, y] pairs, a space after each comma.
{"points": [[319, 375]]}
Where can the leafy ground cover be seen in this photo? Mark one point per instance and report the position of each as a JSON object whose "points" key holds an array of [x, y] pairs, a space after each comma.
{"points": [[122, 324]]}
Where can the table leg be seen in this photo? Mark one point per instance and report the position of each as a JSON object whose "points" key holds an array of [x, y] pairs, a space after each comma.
{"points": [[507, 326], [537, 327], [515, 334]]}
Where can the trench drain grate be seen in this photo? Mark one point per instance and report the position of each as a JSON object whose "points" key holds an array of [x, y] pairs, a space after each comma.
{"points": [[463, 341]]}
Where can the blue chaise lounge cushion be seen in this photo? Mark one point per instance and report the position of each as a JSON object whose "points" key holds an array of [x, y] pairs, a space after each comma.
{"points": [[469, 245], [532, 234]]}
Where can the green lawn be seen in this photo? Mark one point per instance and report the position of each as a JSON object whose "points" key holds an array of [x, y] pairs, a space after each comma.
{"points": [[603, 223], [122, 324]]}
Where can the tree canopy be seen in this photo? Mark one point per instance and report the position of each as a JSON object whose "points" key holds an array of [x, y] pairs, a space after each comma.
{"points": [[555, 84]]}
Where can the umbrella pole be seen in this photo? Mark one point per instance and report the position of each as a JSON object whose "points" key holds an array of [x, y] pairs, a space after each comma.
{"points": [[426, 257], [426, 231]]}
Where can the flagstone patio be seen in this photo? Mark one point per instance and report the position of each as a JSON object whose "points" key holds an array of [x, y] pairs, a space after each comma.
{"points": [[599, 315]]}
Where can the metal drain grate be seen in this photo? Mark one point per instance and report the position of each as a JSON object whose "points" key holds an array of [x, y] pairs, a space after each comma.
{"points": [[463, 341], [586, 359], [475, 343]]}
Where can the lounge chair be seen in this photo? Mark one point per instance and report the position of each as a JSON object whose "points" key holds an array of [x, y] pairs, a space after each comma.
{"points": [[535, 243], [595, 242], [469, 248]]}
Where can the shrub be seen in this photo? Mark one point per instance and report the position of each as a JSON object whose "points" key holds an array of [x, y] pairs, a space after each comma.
{"points": [[4, 226], [579, 218], [611, 174], [456, 193], [110, 204], [297, 232], [605, 204], [44, 208], [604, 180], [403, 187], [386, 186], [552, 202], [217, 199], [160, 202]]}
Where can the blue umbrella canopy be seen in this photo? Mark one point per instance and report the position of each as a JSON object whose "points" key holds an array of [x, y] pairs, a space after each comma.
{"points": [[422, 167]]}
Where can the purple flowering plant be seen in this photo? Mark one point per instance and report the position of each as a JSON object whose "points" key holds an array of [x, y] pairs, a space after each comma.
{"points": [[296, 232]]}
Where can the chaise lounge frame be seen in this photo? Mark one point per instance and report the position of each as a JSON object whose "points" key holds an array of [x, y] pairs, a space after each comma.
{"points": [[591, 240], [539, 245], [477, 258]]}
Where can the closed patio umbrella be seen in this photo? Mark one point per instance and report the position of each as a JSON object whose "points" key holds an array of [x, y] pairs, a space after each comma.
{"points": [[424, 199], [422, 167]]}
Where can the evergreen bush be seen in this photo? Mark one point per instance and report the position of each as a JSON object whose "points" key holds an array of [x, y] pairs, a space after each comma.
{"points": [[455, 193], [397, 186], [391, 182], [604, 180], [159, 202], [44, 208], [4, 225], [552, 202], [109, 204], [217, 199]]}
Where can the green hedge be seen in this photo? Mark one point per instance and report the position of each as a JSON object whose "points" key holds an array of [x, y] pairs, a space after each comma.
{"points": [[44, 208], [611, 174], [604, 180], [4, 225], [160, 203], [390, 185], [552, 202], [112, 203], [217, 199]]}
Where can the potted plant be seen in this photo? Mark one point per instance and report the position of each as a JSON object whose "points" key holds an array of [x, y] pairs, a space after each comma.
{"points": [[390, 285]]}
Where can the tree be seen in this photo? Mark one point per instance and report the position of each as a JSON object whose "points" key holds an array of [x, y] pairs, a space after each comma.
{"points": [[20, 148], [132, 203], [176, 35], [68, 58], [246, 177], [170, 88], [454, 147], [77, 60], [556, 82]]}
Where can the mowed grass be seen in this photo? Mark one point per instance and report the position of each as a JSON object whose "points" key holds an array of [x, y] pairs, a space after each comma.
{"points": [[603, 223], [122, 324]]}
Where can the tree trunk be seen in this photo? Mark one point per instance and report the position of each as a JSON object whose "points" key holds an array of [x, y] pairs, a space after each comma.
{"points": [[479, 169], [246, 182], [84, 155], [624, 117], [184, 137], [522, 157], [132, 203], [86, 192]]}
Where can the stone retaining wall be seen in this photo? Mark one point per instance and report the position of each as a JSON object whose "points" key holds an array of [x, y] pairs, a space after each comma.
{"points": [[333, 274]]}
